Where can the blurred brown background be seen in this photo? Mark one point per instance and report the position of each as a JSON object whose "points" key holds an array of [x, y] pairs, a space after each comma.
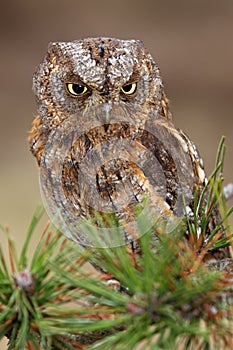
{"points": [[190, 40]]}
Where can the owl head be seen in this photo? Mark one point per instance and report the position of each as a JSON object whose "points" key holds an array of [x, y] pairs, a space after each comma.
{"points": [[85, 73], [79, 75]]}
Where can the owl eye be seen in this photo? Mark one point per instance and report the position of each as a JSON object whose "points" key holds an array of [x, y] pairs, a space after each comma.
{"points": [[129, 89], [76, 89]]}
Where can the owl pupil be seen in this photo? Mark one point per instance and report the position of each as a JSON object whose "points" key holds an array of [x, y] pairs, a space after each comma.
{"points": [[78, 89], [128, 87]]}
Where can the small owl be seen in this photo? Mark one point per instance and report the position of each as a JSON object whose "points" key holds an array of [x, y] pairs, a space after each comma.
{"points": [[105, 142]]}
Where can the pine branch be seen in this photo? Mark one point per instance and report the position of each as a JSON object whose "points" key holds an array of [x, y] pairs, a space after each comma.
{"points": [[168, 300]]}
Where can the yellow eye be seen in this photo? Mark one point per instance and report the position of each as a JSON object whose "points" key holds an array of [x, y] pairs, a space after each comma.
{"points": [[76, 89], [129, 89]]}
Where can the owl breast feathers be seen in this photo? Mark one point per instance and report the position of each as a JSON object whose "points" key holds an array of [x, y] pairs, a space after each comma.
{"points": [[104, 138]]}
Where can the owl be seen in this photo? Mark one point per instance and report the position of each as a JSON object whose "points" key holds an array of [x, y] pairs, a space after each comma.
{"points": [[106, 145]]}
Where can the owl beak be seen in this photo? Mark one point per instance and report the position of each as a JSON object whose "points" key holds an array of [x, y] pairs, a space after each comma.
{"points": [[106, 107], [110, 112]]}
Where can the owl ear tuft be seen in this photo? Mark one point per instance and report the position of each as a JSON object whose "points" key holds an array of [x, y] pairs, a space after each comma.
{"points": [[54, 51], [138, 42], [53, 47]]}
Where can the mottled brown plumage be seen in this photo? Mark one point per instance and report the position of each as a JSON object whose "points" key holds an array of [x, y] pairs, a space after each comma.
{"points": [[104, 139]]}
